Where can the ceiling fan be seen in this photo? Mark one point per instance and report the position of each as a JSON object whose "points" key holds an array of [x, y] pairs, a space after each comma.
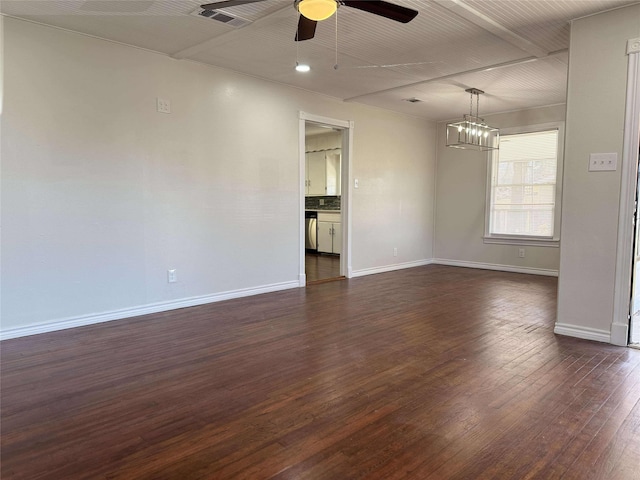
{"points": [[313, 11]]}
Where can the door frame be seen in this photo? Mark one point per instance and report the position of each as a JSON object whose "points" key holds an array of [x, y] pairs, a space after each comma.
{"points": [[624, 254], [345, 188]]}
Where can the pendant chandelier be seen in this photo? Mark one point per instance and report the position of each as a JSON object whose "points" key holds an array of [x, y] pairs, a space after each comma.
{"points": [[472, 133]]}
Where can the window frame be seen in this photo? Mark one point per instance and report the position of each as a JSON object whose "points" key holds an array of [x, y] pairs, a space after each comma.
{"points": [[531, 240]]}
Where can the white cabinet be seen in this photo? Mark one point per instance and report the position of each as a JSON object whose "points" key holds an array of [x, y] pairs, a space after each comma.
{"points": [[333, 172], [325, 238], [337, 238], [329, 233], [323, 173], [316, 183]]}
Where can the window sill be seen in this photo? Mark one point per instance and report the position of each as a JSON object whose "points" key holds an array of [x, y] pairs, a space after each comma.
{"points": [[528, 241]]}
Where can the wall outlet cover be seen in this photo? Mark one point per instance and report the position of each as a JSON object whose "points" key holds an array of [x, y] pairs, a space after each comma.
{"points": [[172, 276], [163, 105]]}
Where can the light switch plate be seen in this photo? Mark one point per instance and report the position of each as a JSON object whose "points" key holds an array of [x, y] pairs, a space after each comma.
{"points": [[603, 162]]}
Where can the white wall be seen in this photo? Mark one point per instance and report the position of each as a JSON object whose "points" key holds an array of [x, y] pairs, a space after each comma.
{"points": [[323, 141], [461, 182], [393, 206], [101, 194], [595, 121]]}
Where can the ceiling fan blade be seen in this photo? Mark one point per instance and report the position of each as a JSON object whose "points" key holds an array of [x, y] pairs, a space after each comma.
{"points": [[384, 9], [306, 29], [227, 3]]}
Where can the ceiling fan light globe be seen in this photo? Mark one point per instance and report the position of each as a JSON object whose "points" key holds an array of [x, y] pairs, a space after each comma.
{"points": [[317, 9]]}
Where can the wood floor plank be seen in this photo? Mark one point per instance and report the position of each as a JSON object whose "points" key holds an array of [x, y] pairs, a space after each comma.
{"points": [[320, 267], [427, 373]]}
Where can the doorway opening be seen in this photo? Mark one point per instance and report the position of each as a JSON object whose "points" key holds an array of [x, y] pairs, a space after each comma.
{"points": [[324, 165]]}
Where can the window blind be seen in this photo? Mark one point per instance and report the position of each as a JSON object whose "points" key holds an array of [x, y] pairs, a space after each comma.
{"points": [[523, 186]]}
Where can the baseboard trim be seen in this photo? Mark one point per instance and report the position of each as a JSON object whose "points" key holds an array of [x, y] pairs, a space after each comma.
{"points": [[83, 320], [585, 333], [389, 268], [496, 266]]}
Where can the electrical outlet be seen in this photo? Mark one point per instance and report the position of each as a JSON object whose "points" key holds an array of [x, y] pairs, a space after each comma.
{"points": [[163, 105], [322, 201], [355, 183], [521, 252], [395, 251], [172, 276]]}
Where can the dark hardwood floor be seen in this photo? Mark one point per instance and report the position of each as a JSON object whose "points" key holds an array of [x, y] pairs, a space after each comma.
{"points": [[427, 373], [321, 267]]}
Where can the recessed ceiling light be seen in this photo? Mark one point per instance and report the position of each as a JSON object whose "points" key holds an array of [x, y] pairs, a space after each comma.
{"points": [[412, 100], [301, 67]]}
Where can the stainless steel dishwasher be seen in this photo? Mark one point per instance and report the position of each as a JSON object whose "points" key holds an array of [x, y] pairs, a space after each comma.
{"points": [[311, 231]]}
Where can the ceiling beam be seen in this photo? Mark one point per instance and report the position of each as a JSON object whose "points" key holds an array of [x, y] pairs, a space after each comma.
{"points": [[230, 35], [488, 68], [481, 20]]}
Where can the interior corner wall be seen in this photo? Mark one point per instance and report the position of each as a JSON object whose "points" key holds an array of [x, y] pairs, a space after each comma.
{"points": [[102, 194], [595, 124], [461, 183]]}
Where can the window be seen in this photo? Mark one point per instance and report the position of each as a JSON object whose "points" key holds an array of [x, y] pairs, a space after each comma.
{"points": [[523, 194]]}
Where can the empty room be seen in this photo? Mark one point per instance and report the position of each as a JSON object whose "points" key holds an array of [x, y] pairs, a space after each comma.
{"points": [[319, 239]]}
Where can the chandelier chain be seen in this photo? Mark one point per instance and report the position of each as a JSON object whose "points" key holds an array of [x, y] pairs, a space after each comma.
{"points": [[335, 65]]}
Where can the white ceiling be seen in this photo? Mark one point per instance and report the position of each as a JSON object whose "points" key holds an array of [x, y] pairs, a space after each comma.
{"points": [[514, 50]]}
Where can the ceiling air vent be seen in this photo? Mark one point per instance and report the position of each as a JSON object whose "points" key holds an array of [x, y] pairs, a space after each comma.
{"points": [[221, 17]]}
